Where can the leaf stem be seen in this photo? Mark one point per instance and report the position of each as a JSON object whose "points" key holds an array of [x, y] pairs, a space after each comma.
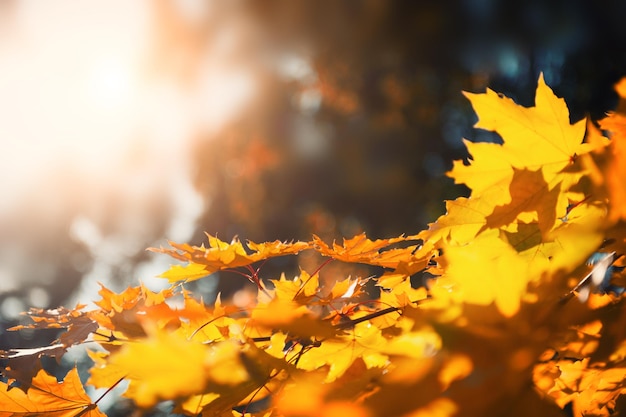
{"points": [[110, 389]]}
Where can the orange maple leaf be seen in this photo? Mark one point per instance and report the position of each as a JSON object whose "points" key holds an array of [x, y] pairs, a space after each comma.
{"points": [[615, 175], [124, 312], [220, 255], [46, 396], [360, 249]]}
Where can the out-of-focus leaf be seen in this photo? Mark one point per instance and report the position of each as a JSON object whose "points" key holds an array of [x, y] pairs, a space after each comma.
{"points": [[166, 366], [488, 270]]}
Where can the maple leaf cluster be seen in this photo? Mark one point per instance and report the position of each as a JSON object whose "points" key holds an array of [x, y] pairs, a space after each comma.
{"points": [[523, 311]]}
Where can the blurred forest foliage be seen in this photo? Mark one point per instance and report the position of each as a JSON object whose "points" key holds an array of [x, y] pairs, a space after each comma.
{"points": [[358, 118], [362, 140]]}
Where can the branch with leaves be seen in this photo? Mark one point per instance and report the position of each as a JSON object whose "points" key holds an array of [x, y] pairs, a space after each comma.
{"points": [[523, 312]]}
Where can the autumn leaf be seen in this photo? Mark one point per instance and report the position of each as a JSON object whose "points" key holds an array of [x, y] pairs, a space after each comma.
{"points": [[262, 251], [116, 302], [308, 399], [464, 219], [364, 341], [46, 396], [124, 313], [592, 388], [522, 180], [292, 318], [517, 225], [219, 255], [488, 270], [360, 249], [301, 288], [368, 343], [616, 170], [539, 137], [346, 289], [76, 326], [203, 323], [168, 366], [189, 272], [499, 271], [531, 201]]}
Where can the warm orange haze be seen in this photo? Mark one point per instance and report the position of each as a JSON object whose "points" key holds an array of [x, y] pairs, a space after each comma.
{"points": [[269, 208], [99, 117], [498, 314]]}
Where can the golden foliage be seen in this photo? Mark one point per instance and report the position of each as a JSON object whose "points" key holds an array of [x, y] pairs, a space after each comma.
{"points": [[521, 312], [48, 397]]}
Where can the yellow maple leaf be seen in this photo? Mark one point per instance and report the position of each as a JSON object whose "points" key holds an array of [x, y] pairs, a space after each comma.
{"points": [[203, 324], [464, 219], [487, 270], [167, 366], [518, 225], [365, 341], [291, 317], [532, 197], [300, 289], [346, 288], [539, 137], [101, 375], [189, 272]]}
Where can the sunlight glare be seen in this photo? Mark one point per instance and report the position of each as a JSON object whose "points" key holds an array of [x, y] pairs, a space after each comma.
{"points": [[221, 94], [110, 84], [96, 127]]}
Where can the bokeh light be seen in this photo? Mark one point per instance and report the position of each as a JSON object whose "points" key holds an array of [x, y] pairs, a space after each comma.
{"points": [[100, 109], [124, 124]]}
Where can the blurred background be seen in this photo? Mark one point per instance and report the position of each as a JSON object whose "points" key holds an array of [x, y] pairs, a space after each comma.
{"points": [[123, 124]]}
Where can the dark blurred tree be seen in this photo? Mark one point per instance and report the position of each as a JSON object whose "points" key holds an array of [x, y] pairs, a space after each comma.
{"points": [[389, 75]]}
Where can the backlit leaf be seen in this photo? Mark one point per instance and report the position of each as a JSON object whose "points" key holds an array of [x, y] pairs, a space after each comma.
{"points": [[219, 255], [360, 249], [488, 270], [46, 396], [539, 137], [167, 366]]}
